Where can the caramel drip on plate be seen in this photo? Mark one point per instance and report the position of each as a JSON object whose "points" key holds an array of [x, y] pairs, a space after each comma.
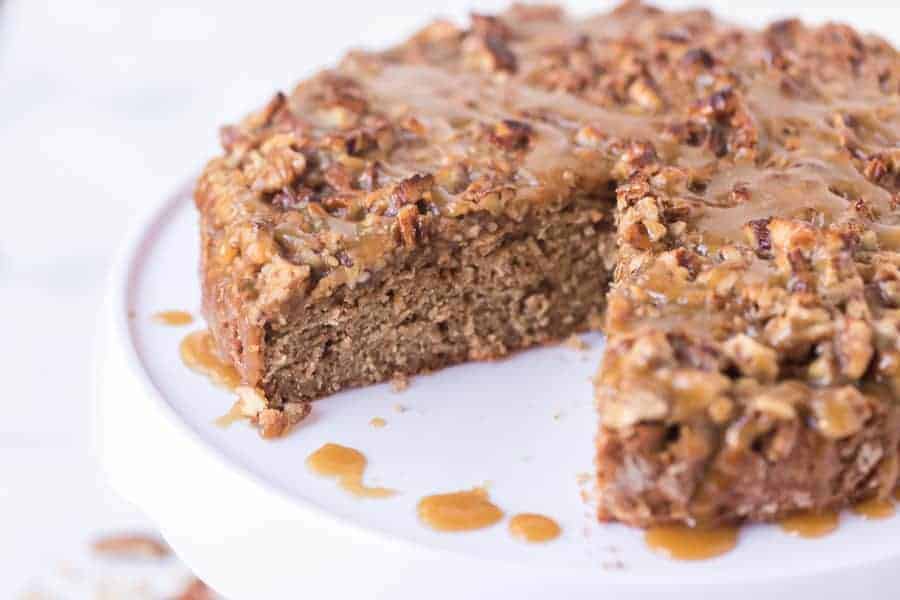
{"points": [[198, 353], [377, 422], [874, 508], [811, 524], [175, 318], [459, 511], [534, 528], [347, 466], [687, 543], [234, 414]]}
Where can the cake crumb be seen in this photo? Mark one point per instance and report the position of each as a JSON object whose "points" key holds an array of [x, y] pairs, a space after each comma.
{"points": [[377, 422], [399, 382], [271, 423], [399, 408], [575, 342], [557, 415], [131, 546], [613, 565], [582, 478]]}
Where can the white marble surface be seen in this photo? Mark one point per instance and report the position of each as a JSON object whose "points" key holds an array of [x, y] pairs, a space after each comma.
{"points": [[107, 106]]}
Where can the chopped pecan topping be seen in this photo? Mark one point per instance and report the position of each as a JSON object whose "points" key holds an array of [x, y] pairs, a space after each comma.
{"points": [[488, 48], [511, 135], [500, 57], [408, 225], [409, 191], [752, 358], [698, 57], [762, 243]]}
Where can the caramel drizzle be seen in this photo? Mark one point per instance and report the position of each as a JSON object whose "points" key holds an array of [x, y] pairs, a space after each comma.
{"points": [[818, 181], [875, 508], [347, 465], [680, 542], [174, 318], [443, 100], [459, 511], [198, 353], [811, 524], [234, 414], [534, 528]]}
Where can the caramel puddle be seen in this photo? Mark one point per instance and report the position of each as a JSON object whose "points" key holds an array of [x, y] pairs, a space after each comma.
{"points": [[874, 508], [198, 354], [687, 543], [174, 317], [534, 528], [811, 524], [459, 511], [347, 465]]}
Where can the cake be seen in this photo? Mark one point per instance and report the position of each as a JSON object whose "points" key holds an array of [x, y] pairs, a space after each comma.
{"points": [[721, 201]]}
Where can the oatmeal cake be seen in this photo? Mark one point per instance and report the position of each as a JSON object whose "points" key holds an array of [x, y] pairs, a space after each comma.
{"points": [[724, 199]]}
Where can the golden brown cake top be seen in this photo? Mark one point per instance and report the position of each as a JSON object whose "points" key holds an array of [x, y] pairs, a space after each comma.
{"points": [[530, 109]]}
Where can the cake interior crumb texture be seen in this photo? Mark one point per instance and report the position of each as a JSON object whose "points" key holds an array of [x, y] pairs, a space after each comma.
{"points": [[721, 201]]}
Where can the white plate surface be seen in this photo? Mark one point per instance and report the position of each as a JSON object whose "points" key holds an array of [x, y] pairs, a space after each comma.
{"points": [[523, 426]]}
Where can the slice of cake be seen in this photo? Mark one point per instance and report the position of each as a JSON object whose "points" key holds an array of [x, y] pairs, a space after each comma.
{"points": [[473, 191], [750, 370]]}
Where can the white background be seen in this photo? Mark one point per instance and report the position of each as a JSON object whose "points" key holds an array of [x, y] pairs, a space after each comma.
{"points": [[104, 108]]}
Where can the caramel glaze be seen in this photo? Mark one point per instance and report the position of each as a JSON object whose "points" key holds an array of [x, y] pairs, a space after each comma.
{"points": [[347, 465], [811, 524], [459, 511], [198, 354], [874, 508], [534, 528], [686, 543], [175, 318]]}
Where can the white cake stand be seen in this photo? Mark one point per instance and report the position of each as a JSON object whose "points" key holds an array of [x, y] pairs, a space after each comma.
{"points": [[249, 518]]}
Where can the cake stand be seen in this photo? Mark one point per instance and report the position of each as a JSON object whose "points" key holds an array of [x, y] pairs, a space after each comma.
{"points": [[251, 520]]}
